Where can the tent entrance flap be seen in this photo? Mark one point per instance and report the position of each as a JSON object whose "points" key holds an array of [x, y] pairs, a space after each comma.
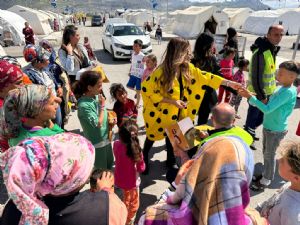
{"points": [[211, 25]]}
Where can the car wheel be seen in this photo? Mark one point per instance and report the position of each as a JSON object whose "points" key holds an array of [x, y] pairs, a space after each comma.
{"points": [[104, 46], [113, 54]]}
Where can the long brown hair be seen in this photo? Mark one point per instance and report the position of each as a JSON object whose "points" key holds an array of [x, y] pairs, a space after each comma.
{"points": [[175, 62]]}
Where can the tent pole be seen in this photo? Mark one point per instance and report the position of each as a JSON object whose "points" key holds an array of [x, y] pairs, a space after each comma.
{"points": [[296, 45]]}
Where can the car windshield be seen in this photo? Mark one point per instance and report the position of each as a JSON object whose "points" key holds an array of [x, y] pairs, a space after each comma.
{"points": [[96, 18], [127, 30]]}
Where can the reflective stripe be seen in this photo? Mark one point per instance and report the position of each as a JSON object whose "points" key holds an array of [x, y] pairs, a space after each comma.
{"points": [[268, 76], [102, 144], [269, 84]]}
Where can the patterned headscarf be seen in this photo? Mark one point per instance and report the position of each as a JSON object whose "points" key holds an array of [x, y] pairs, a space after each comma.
{"points": [[9, 74], [40, 166], [35, 53], [27, 101]]}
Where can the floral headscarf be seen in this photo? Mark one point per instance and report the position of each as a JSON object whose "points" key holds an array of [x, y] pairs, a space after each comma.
{"points": [[40, 166], [9, 74], [27, 101]]}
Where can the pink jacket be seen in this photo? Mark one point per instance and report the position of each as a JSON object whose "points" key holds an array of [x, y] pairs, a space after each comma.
{"points": [[126, 171]]}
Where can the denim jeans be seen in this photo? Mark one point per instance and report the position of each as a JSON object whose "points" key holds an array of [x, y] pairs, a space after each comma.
{"points": [[271, 141], [254, 119]]}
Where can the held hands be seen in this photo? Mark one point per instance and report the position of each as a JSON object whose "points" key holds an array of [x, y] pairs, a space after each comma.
{"points": [[234, 85], [244, 93], [106, 181]]}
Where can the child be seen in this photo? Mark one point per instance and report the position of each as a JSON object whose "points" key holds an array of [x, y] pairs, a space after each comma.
{"points": [[97, 178], [226, 65], [151, 63], [239, 77], [93, 116], [89, 49], [283, 207], [136, 69], [124, 107], [129, 163], [276, 113], [103, 180]]}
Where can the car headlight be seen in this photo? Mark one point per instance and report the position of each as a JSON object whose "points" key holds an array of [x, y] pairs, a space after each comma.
{"points": [[118, 45], [147, 45]]}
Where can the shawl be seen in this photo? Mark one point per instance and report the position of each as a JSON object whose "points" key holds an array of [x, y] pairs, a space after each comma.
{"points": [[40, 166]]}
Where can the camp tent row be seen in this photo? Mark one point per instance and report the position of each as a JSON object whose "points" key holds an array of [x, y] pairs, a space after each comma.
{"points": [[12, 23], [259, 22]]}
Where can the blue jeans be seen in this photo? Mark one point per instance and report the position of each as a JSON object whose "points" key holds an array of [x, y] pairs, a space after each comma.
{"points": [[254, 119]]}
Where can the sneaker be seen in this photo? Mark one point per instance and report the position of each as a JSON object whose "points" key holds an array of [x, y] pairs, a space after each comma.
{"points": [[257, 186], [253, 147], [256, 178]]}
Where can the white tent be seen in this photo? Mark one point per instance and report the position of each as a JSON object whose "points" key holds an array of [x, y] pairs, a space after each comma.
{"points": [[237, 16], [189, 23], [37, 20], [260, 21], [62, 18], [11, 27], [139, 18]]}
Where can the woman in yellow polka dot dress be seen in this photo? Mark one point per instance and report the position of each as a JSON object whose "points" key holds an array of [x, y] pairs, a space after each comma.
{"points": [[173, 92]]}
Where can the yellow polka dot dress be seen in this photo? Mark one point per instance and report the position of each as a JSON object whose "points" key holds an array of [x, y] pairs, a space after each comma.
{"points": [[159, 115]]}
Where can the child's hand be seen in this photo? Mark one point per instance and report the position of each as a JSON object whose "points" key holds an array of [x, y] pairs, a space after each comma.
{"points": [[179, 104], [101, 100], [106, 182], [234, 85], [244, 93]]}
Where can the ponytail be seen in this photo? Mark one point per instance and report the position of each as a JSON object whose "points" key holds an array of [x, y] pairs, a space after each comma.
{"points": [[128, 135]]}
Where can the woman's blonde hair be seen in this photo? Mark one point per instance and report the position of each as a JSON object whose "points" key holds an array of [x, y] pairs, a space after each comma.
{"points": [[175, 62]]}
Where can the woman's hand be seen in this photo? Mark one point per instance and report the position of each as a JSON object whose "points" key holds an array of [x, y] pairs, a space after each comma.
{"points": [[106, 182], [244, 93], [180, 104], [234, 85], [183, 170], [68, 48]]}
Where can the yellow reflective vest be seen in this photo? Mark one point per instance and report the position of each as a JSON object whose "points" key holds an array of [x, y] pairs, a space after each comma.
{"points": [[269, 81]]}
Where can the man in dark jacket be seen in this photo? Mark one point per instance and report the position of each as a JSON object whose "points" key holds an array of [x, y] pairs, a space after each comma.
{"points": [[262, 74]]}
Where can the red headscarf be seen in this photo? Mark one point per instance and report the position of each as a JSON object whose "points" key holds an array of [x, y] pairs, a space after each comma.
{"points": [[9, 74]]}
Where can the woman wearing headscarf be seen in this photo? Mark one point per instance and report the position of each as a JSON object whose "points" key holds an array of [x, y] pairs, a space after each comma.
{"points": [[59, 74], [28, 111], [10, 78], [38, 59], [44, 175], [214, 190]]}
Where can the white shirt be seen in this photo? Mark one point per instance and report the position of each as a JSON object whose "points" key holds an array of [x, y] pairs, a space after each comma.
{"points": [[137, 65]]}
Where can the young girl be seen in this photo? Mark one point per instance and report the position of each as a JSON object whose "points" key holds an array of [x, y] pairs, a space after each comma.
{"points": [[239, 77], [93, 116], [226, 65], [124, 107], [89, 49], [129, 163], [151, 63]]}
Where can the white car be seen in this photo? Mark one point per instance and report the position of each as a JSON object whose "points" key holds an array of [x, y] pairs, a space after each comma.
{"points": [[119, 37]]}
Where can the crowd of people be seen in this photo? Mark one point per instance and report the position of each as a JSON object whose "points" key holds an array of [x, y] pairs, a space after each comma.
{"points": [[44, 168]]}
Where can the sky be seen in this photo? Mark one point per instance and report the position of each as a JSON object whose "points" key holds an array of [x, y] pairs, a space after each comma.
{"points": [[272, 3]]}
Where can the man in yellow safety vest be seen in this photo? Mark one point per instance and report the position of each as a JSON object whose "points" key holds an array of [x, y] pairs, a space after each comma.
{"points": [[262, 74]]}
